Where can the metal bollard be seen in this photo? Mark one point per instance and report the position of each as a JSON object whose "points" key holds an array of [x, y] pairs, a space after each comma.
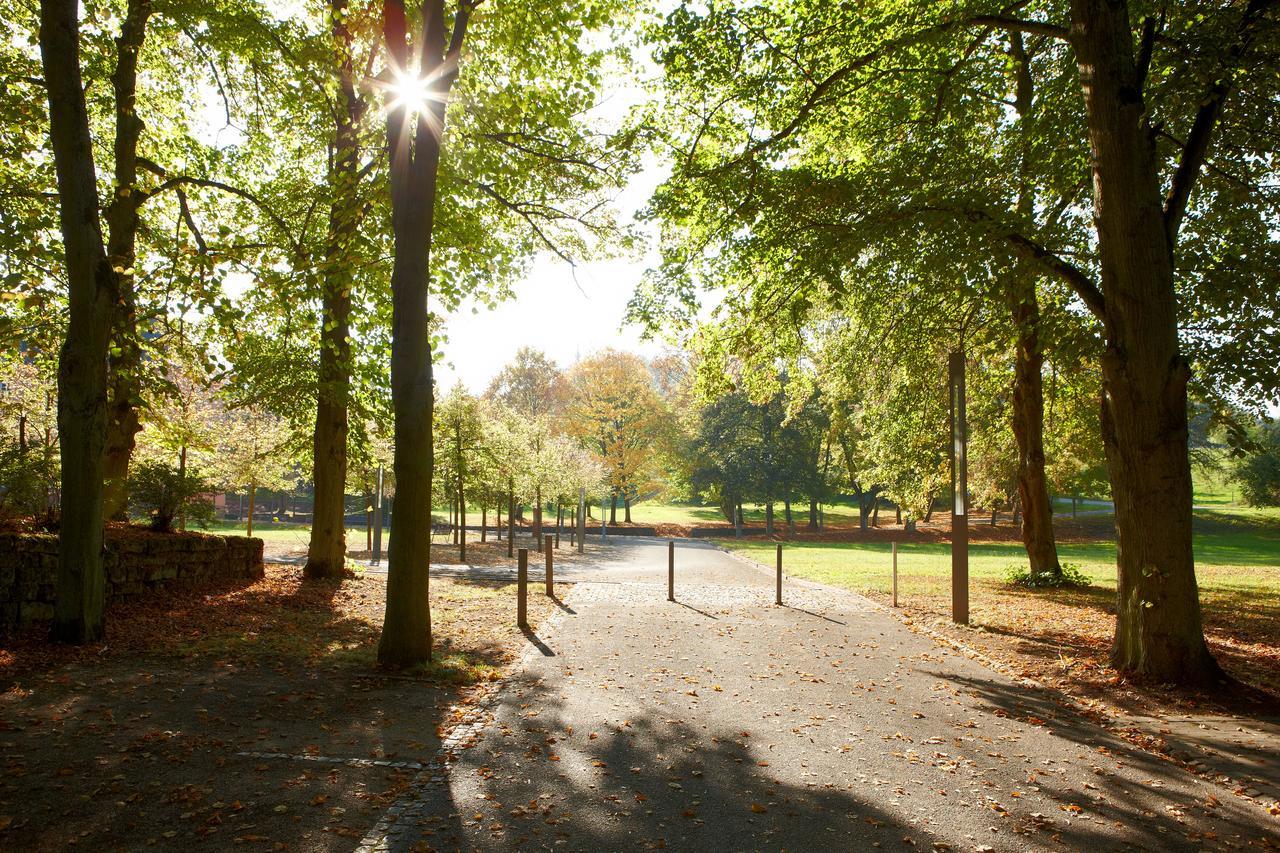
{"points": [[671, 570], [550, 584], [778, 598], [522, 589], [895, 574]]}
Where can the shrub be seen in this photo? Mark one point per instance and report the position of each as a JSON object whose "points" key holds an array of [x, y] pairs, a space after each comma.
{"points": [[160, 491], [1071, 578], [25, 478], [1258, 472]]}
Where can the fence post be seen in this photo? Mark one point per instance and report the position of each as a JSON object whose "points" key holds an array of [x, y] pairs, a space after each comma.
{"points": [[550, 584], [778, 597], [671, 570], [895, 574], [522, 589]]}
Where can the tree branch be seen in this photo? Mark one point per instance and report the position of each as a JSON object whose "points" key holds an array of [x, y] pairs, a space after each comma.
{"points": [[1196, 150], [1006, 22], [1074, 277], [168, 183], [528, 217]]}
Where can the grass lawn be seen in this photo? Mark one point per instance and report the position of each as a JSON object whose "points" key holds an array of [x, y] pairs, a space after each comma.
{"points": [[656, 512], [1237, 566]]}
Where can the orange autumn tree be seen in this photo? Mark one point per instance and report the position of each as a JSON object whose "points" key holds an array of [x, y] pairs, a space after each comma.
{"points": [[613, 411]]}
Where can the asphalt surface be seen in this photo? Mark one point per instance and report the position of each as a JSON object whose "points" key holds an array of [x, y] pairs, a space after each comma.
{"points": [[723, 722]]}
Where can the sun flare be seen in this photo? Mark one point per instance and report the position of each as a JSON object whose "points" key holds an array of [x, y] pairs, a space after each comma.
{"points": [[410, 92]]}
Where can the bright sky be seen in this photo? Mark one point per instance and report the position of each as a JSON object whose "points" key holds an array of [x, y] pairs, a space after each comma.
{"points": [[567, 312]]}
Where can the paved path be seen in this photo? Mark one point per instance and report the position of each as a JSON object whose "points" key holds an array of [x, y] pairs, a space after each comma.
{"points": [[722, 722]]}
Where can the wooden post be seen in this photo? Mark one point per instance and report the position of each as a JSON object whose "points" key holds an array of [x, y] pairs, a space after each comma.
{"points": [[671, 570], [582, 518], [778, 597], [959, 494], [559, 521], [550, 551], [522, 589], [895, 574]]}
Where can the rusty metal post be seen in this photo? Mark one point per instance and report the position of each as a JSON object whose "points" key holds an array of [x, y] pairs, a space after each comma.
{"points": [[778, 597], [895, 574], [671, 570], [522, 589], [959, 494], [550, 570]]}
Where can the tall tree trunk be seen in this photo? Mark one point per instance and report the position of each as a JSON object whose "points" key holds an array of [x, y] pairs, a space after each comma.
{"points": [[791, 524], [326, 555], [484, 522], [122, 218], [537, 518], [406, 630], [626, 504], [1144, 406], [511, 523], [92, 290], [462, 503], [813, 514], [1027, 410], [613, 509], [253, 492], [182, 486], [768, 518]]}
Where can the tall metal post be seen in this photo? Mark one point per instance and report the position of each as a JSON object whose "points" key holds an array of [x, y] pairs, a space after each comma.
{"points": [[671, 570], [582, 517], [895, 574], [959, 493], [522, 589], [376, 557]]}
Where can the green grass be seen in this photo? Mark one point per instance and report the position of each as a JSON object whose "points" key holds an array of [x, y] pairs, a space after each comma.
{"points": [[657, 512], [274, 532], [1237, 551], [1214, 488]]}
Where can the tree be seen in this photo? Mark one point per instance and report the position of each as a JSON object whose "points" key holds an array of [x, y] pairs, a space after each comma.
{"points": [[460, 431], [252, 453], [823, 95], [612, 411], [531, 385], [415, 133], [93, 289], [326, 553], [1258, 471]]}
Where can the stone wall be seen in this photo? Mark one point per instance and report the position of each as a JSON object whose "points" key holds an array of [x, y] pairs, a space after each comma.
{"points": [[137, 562]]}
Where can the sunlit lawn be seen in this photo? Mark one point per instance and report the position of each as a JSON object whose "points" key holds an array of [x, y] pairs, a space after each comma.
{"points": [[1237, 567], [1239, 550], [656, 512]]}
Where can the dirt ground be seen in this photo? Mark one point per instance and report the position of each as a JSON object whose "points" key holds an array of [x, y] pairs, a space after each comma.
{"points": [[246, 714]]}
